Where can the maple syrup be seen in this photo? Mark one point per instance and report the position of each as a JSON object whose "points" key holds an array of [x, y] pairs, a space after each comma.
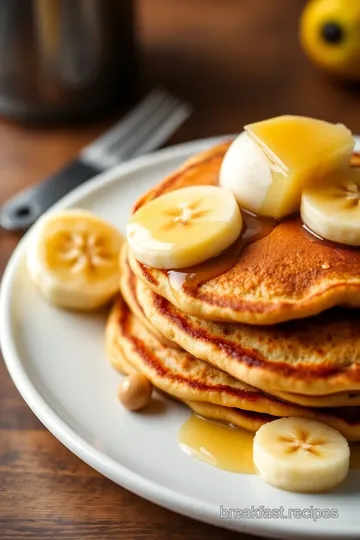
{"points": [[227, 447], [220, 445], [255, 228]]}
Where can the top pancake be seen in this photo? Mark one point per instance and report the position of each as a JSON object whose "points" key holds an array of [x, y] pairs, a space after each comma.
{"points": [[286, 275]]}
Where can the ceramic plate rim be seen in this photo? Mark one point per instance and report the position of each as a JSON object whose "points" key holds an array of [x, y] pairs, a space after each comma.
{"points": [[107, 466]]}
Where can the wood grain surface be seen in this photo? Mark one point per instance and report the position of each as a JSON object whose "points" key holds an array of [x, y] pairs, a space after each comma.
{"points": [[236, 61]]}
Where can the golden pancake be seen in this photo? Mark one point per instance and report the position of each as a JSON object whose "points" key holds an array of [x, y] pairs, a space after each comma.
{"points": [[133, 287], [179, 374], [193, 381], [251, 421], [127, 288], [248, 420], [316, 356], [286, 275]]}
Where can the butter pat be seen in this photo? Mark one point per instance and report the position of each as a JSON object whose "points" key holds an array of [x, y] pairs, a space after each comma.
{"points": [[268, 166]]}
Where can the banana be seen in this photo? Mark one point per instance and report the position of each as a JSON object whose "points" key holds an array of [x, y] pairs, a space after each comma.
{"points": [[246, 172], [333, 210], [184, 227], [301, 455], [72, 256]]}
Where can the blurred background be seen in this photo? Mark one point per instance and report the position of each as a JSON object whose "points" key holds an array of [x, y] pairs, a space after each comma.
{"points": [[235, 61], [69, 69], [241, 60]]}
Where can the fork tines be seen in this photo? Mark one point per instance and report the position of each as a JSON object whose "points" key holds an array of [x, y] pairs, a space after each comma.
{"points": [[143, 129]]}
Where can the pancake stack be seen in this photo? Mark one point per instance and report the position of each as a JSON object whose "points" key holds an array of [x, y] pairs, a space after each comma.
{"points": [[277, 334]]}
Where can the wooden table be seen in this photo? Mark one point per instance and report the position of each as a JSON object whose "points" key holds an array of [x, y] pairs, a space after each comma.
{"points": [[237, 61]]}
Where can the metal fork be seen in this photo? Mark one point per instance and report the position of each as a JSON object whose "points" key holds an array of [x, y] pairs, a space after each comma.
{"points": [[143, 129]]}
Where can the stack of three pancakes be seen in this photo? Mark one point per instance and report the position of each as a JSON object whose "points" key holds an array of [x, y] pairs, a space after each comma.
{"points": [[264, 339]]}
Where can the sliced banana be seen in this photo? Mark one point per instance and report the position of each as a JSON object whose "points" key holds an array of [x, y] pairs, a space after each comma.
{"points": [[333, 210], [302, 455], [72, 256], [184, 227]]}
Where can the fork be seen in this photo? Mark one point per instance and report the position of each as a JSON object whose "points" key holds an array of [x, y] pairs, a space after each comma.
{"points": [[143, 129]]}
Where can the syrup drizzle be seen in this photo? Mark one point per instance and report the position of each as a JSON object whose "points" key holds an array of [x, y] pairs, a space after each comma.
{"points": [[255, 228]]}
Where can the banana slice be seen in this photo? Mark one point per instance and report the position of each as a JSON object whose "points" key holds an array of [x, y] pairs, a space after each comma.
{"points": [[333, 210], [302, 455], [72, 257], [184, 227]]}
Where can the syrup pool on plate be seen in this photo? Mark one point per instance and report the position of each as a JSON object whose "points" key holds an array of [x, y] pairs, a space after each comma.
{"points": [[219, 445]]}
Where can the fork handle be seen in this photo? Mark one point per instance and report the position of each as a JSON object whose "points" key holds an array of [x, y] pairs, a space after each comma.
{"points": [[21, 211]]}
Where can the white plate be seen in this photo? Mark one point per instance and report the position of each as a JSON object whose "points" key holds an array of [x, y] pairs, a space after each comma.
{"points": [[57, 362]]}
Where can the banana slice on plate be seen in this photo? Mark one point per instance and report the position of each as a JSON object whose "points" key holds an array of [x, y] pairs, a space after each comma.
{"points": [[301, 455], [184, 227], [333, 210], [72, 256]]}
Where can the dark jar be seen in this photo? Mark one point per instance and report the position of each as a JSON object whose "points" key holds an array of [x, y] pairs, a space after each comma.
{"points": [[65, 59]]}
